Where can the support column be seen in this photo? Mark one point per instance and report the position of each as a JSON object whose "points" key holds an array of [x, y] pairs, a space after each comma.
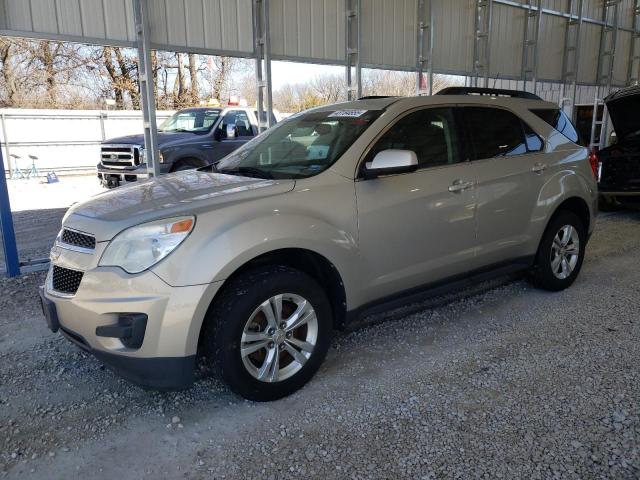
{"points": [[425, 48], [145, 78], [6, 227], [571, 56], [532, 20], [262, 50], [633, 67], [352, 45], [482, 44]]}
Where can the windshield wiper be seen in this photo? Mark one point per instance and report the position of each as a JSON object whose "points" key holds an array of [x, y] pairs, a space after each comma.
{"points": [[247, 172]]}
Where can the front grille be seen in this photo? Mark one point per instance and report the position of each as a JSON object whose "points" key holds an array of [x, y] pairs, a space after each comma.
{"points": [[66, 280], [71, 237], [120, 156]]}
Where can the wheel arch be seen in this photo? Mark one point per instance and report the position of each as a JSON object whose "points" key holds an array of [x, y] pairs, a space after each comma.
{"points": [[186, 158], [575, 205], [315, 265]]}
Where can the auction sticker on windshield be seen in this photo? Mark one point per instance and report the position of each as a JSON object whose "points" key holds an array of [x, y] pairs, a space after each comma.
{"points": [[348, 113]]}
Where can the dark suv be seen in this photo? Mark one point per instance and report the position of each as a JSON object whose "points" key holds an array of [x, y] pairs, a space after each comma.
{"points": [[619, 164], [190, 138]]}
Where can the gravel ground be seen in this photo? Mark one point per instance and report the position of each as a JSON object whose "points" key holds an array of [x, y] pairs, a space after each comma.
{"points": [[505, 381]]}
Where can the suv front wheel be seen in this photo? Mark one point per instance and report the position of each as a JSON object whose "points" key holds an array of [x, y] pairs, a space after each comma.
{"points": [[269, 332], [560, 253]]}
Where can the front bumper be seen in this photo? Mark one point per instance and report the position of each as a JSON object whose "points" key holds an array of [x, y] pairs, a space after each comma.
{"points": [[114, 177], [164, 357]]}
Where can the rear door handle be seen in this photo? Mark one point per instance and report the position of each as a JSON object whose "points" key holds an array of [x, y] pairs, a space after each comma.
{"points": [[459, 186], [539, 167]]}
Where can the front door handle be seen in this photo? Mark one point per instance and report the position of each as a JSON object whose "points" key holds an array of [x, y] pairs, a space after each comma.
{"points": [[459, 186], [539, 167]]}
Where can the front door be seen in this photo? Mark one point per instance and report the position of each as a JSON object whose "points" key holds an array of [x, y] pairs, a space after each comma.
{"points": [[239, 122], [417, 228]]}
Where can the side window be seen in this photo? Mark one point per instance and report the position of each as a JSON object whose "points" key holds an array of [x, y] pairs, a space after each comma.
{"points": [[495, 132], [559, 120], [241, 122], [534, 142], [430, 133]]}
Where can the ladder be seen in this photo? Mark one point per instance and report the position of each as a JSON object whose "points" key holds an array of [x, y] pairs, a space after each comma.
{"points": [[425, 48], [482, 43], [532, 19], [633, 72], [604, 76], [571, 55]]}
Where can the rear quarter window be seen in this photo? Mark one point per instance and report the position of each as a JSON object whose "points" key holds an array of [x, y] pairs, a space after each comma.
{"points": [[559, 120]]}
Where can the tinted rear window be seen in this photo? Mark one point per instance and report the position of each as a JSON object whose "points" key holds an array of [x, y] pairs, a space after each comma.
{"points": [[499, 133], [559, 120]]}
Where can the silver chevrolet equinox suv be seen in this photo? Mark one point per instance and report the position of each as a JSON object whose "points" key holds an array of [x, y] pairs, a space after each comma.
{"points": [[333, 214]]}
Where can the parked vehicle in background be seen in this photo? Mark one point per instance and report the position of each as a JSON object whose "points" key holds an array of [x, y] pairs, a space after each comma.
{"points": [[333, 214], [619, 164], [190, 138]]}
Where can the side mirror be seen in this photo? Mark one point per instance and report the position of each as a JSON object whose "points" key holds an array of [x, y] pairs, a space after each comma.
{"points": [[389, 162], [232, 130]]}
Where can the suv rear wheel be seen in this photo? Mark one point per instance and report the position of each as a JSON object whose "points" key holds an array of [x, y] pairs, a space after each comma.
{"points": [[269, 332], [561, 252]]}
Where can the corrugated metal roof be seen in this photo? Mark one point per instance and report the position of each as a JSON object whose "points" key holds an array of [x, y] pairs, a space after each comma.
{"points": [[314, 31]]}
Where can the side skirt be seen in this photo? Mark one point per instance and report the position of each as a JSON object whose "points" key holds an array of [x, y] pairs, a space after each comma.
{"points": [[504, 270]]}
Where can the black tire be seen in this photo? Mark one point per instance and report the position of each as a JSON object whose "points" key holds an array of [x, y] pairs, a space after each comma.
{"points": [[186, 164], [233, 308], [542, 274]]}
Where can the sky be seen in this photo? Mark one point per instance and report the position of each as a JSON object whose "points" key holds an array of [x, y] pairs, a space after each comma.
{"points": [[283, 73]]}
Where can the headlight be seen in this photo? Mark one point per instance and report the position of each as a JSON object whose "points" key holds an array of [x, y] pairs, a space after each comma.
{"points": [[138, 248], [160, 157]]}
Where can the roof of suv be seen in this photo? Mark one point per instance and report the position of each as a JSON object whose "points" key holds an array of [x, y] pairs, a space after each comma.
{"points": [[381, 103]]}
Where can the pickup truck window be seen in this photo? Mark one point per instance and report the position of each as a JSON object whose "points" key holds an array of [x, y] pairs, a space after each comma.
{"points": [[195, 120], [301, 146], [241, 121]]}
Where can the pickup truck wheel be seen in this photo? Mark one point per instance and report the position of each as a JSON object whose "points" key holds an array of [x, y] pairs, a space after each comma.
{"points": [[561, 252], [607, 203], [186, 164], [269, 332]]}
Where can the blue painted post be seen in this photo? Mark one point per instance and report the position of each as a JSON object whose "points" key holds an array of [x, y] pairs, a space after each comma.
{"points": [[6, 227]]}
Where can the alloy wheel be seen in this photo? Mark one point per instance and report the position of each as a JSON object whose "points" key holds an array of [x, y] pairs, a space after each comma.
{"points": [[279, 337], [565, 251]]}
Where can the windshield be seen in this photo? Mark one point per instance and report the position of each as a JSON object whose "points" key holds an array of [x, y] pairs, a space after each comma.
{"points": [[301, 146], [191, 121]]}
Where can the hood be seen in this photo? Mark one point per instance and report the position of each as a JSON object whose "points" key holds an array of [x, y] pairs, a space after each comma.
{"points": [[165, 139], [182, 193], [623, 107]]}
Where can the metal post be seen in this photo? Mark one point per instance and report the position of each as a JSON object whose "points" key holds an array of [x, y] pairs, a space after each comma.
{"points": [[425, 47], [571, 56], [262, 50], [352, 46], [6, 227], [102, 132], [145, 78], [5, 138], [529, 58], [482, 44], [632, 78]]}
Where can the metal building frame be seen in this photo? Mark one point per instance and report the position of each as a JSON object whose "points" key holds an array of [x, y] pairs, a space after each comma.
{"points": [[531, 29], [145, 77], [571, 55], [482, 43], [633, 69], [353, 15], [425, 48], [604, 73], [262, 47]]}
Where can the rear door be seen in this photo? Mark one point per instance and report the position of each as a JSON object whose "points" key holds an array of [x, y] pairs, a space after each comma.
{"points": [[419, 227], [509, 165]]}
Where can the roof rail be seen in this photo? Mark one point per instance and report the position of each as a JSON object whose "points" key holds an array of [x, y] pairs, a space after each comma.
{"points": [[494, 92], [371, 97]]}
